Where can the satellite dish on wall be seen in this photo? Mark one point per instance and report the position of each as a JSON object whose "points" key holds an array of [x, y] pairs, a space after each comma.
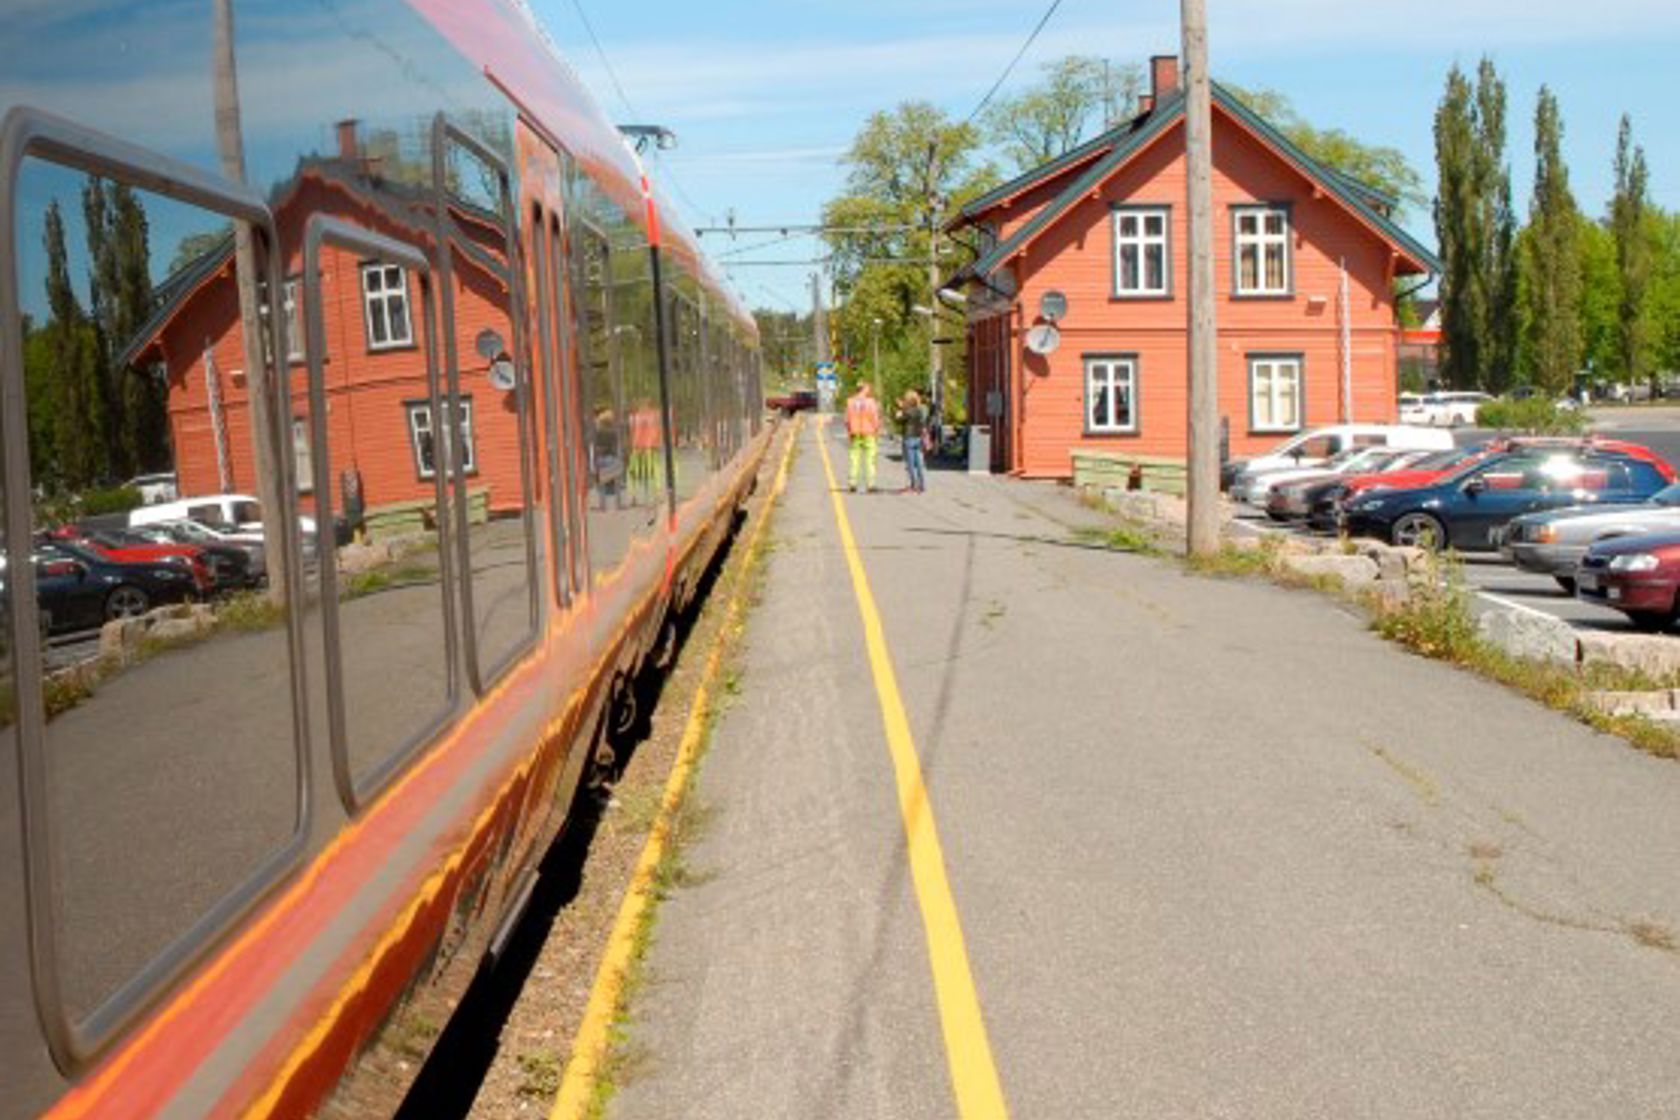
{"points": [[488, 344], [1043, 339], [501, 374], [1052, 305]]}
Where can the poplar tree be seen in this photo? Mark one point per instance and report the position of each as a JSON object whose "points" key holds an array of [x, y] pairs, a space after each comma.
{"points": [[73, 397], [119, 255], [1476, 226], [1553, 264], [1628, 209]]}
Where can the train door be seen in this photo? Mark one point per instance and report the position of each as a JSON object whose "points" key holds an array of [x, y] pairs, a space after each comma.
{"points": [[540, 184]]}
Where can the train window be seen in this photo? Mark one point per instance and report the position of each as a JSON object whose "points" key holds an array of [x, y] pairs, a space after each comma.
{"points": [[169, 765], [602, 408], [384, 605], [494, 506], [691, 456], [635, 334], [544, 241]]}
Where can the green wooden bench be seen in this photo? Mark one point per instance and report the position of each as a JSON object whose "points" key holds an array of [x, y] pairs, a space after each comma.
{"points": [[1114, 470]]}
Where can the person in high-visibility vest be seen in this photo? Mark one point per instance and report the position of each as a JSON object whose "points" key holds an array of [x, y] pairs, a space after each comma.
{"points": [[646, 438], [863, 425]]}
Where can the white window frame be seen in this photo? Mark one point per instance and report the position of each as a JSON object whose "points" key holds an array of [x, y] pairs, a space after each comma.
{"points": [[1141, 241], [303, 455], [1114, 370], [384, 295], [1259, 240], [1273, 365], [292, 308], [419, 417]]}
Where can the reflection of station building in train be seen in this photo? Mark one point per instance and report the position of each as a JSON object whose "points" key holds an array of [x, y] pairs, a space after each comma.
{"points": [[379, 424]]}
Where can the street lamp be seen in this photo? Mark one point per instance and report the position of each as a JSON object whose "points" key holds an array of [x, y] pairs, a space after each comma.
{"points": [[875, 346]]}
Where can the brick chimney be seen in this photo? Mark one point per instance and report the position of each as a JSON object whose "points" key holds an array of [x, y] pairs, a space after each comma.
{"points": [[348, 146], [1163, 77]]}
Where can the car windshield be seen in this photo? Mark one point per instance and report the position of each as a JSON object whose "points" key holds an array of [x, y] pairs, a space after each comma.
{"points": [[1667, 496], [1439, 460], [247, 513]]}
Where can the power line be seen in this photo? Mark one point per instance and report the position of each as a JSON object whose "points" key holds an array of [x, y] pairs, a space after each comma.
{"points": [[1007, 70], [803, 227], [577, 6]]}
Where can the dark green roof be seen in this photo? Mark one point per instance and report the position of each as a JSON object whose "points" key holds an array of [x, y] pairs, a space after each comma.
{"points": [[1030, 178], [1349, 191]]}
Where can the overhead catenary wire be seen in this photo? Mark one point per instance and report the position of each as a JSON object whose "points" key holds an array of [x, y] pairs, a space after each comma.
{"points": [[1007, 70]]}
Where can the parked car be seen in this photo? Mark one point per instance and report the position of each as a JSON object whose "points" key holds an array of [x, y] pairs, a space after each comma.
{"points": [[1553, 542], [154, 488], [79, 589], [119, 545], [1256, 488], [238, 514], [1464, 509], [1324, 500], [1636, 575], [1291, 499], [799, 400], [1310, 449], [1451, 408], [215, 543]]}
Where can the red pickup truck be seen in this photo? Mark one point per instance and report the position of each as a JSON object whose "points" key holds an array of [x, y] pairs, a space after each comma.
{"points": [[798, 400]]}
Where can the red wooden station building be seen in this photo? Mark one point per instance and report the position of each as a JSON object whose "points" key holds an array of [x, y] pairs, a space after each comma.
{"points": [[1094, 243]]}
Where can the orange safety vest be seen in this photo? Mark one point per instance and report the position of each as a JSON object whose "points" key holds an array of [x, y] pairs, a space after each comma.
{"points": [[644, 430], [863, 416]]}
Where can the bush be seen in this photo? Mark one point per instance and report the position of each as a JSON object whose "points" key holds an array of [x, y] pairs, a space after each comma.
{"points": [[1534, 416]]}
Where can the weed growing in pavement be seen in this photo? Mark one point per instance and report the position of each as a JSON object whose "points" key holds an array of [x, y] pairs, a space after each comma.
{"points": [[1436, 621], [1128, 536], [249, 611], [540, 1075], [1234, 560]]}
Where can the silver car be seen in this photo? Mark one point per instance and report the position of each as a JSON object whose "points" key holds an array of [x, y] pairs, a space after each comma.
{"points": [[1552, 542]]}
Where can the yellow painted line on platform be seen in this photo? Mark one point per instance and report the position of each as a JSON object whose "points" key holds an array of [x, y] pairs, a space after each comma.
{"points": [[968, 1051], [589, 1048]]}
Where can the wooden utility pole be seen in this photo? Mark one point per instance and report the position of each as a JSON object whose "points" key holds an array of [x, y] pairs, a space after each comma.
{"points": [[1203, 472], [260, 388]]}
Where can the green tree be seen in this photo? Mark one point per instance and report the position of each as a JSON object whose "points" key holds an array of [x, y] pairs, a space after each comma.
{"points": [[196, 245], [1553, 259], [1050, 118], [1664, 296], [909, 170], [119, 253], [1601, 297], [1381, 167], [1630, 226], [69, 383], [1475, 226]]}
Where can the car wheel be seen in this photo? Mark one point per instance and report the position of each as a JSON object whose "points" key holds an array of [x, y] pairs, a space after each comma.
{"points": [[1418, 530], [126, 601], [1567, 583], [1650, 621]]}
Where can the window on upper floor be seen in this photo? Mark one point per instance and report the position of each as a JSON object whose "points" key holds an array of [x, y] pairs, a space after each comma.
{"points": [[1141, 251], [385, 297], [1262, 251]]}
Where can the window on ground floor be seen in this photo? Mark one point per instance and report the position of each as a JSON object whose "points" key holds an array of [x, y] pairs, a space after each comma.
{"points": [[1110, 393], [424, 440], [1274, 392]]}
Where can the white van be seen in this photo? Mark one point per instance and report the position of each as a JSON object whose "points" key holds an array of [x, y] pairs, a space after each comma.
{"points": [[1309, 449], [235, 514]]}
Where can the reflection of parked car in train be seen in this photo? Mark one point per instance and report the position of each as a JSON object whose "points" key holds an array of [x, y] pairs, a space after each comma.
{"points": [[239, 559], [79, 588], [281, 846], [1637, 575], [154, 488], [124, 548]]}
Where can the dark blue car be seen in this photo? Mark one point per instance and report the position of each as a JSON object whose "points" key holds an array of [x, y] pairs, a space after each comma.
{"points": [[1466, 510]]}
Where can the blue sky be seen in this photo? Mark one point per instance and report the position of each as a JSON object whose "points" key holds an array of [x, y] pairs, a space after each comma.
{"points": [[765, 97]]}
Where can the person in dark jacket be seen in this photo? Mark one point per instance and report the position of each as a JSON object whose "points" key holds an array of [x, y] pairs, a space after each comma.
{"points": [[913, 427]]}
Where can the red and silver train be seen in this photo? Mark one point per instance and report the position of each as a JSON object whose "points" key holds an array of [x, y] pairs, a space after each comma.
{"points": [[374, 289]]}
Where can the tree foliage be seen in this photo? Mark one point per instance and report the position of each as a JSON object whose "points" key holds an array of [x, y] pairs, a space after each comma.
{"points": [[1553, 259], [910, 170], [1078, 95], [1630, 228], [1475, 225], [1377, 166]]}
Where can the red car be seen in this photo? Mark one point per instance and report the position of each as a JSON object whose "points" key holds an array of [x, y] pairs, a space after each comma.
{"points": [[126, 548], [1637, 575]]}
